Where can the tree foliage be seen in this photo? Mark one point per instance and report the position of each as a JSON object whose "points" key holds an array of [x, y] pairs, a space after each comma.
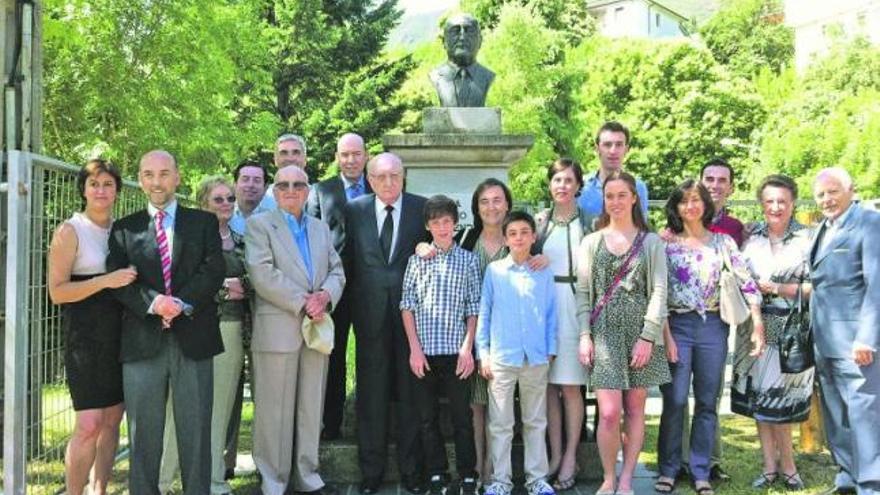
{"points": [[564, 16], [748, 35], [681, 106]]}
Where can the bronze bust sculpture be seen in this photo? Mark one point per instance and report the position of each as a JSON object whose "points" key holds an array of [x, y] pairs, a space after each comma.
{"points": [[461, 81]]}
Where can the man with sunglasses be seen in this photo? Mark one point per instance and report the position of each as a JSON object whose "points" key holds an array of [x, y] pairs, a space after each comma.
{"points": [[381, 232], [327, 202], [295, 272]]}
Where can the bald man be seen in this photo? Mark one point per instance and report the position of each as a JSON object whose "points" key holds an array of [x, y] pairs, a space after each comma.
{"points": [[381, 232], [170, 330], [845, 315], [327, 202], [295, 271]]}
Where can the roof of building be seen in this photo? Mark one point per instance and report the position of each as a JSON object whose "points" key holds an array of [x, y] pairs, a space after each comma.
{"points": [[698, 10]]}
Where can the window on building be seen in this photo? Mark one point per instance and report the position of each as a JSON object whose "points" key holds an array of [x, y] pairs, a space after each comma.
{"points": [[657, 20], [618, 13]]}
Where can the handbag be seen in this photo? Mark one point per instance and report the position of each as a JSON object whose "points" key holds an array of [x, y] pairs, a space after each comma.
{"points": [[796, 338], [733, 308]]}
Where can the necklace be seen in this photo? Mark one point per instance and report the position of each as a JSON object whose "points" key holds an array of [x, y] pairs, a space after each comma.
{"points": [[226, 236], [565, 220]]}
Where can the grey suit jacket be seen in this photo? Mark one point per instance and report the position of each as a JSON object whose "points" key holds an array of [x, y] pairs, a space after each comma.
{"points": [[845, 302], [280, 279]]}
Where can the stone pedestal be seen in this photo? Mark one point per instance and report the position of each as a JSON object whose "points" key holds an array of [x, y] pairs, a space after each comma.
{"points": [[460, 147]]}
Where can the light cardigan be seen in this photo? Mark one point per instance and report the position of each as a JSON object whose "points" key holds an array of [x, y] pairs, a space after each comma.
{"points": [[656, 275]]}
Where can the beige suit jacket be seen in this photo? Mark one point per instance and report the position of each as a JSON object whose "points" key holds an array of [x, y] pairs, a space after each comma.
{"points": [[280, 279]]}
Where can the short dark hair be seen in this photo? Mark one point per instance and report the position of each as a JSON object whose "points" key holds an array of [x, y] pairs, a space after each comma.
{"points": [[613, 126], [440, 206], [481, 188], [637, 217], [777, 180], [518, 216], [251, 163], [717, 162], [674, 221], [96, 166], [563, 163]]}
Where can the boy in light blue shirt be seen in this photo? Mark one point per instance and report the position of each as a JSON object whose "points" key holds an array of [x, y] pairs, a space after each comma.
{"points": [[516, 341]]}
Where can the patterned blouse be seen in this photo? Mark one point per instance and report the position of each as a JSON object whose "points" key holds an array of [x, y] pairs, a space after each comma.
{"points": [[695, 275], [787, 265]]}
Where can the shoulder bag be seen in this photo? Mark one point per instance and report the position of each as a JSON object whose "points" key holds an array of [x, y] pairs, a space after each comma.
{"points": [[732, 304], [796, 338]]}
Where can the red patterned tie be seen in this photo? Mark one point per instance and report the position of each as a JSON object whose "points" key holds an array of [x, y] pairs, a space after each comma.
{"points": [[164, 252]]}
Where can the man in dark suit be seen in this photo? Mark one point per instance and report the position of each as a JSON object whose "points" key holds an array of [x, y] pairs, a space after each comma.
{"points": [[845, 313], [382, 230], [170, 328], [327, 202]]}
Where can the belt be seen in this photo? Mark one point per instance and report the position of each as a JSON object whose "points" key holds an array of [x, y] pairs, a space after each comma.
{"points": [[776, 311], [564, 279]]}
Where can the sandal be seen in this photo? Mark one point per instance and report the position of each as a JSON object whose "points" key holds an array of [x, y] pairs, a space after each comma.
{"points": [[664, 485], [792, 481], [765, 480], [704, 489], [562, 484]]}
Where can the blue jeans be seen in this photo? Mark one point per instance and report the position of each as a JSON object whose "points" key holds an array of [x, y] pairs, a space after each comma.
{"points": [[702, 353]]}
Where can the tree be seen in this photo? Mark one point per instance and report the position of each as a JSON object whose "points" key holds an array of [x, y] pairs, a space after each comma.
{"points": [[680, 104], [124, 77], [571, 18], [831, 118], [748, 35], [328, 74]]}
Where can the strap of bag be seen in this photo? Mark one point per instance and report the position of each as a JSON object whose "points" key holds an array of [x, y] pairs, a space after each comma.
{"points": [[624, 269]]}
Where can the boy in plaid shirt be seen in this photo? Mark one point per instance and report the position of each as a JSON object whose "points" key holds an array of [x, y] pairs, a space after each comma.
{"points": [[439, 306]]}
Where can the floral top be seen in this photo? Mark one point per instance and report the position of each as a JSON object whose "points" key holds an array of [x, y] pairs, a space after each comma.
{"points": [[695, 275]]}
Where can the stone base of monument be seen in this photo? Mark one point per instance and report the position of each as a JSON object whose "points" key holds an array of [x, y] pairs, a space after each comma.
{"points": [[460, 147], [338, 458]]}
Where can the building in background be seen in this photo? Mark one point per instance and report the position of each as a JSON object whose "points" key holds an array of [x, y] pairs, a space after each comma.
{"points": [[638, 19], [818, 23]]}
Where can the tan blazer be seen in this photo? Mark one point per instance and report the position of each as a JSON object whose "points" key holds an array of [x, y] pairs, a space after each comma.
{"points": [[280, 280]]}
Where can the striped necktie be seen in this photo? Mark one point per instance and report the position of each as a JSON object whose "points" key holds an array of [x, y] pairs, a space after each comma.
{"points": [[164, 252]]}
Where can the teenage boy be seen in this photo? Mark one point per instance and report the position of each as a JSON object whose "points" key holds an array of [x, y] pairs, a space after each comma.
{"points": [[439, 307], [516, 340]]}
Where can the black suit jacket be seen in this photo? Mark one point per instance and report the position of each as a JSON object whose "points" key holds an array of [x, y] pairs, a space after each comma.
{"points": [[327, 201], [376, 281], [197, 272]]}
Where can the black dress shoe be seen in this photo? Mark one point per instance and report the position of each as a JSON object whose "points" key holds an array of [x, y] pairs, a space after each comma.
{"points": [[718, 474], [370, 487], [229, 474], [413, 485]]}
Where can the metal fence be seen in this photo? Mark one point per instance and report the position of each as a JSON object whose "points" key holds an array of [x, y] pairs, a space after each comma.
{"points": [[37, 413]]}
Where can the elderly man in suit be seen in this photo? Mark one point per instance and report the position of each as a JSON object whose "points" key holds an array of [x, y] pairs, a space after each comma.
{"points": [[295, 272], [845, 313], [381, 232], [327, 202], [170, 329]]}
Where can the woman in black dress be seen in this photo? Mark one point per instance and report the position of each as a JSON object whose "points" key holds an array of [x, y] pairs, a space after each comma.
{"points": [[91, 322]]}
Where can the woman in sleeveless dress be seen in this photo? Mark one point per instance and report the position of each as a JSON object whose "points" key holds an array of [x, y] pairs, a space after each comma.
{"points": [[621, 310], [92, 324], [560, 230]]}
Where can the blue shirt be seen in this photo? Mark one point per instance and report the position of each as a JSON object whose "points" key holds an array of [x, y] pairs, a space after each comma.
{"points": [[517, 323], [238, 222], [353, 190], [301, 238], [592, 200], [441, 292]]}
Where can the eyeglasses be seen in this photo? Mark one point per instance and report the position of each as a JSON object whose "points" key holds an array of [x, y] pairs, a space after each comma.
{"points": [[295, 185], [385, 177], [219, 200]]}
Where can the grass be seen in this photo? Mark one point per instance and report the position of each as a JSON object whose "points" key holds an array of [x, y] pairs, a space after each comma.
{"points": [[741, 455]]}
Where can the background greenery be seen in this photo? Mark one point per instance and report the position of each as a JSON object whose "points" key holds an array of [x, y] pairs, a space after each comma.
{"points": [[217, 81]]}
